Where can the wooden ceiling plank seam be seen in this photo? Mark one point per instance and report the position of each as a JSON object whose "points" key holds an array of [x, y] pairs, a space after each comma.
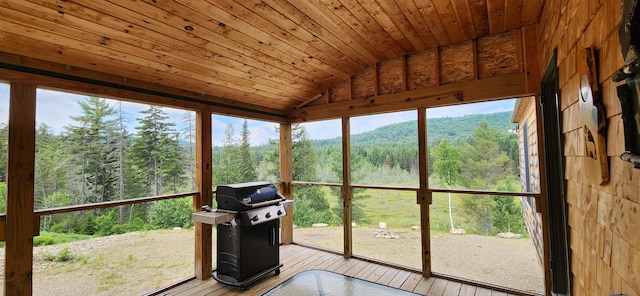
{"points": [[277, 77], [287, 29], [403, 25], [353, 15], [448, 18], [131, 29], [233, 22], [336, 26], [18, 44], [462, 12], [416, 20], [431, 17], [72, 21], [513, 14], [199, 17], [305, 25], [211, 38], [496, 12], [253, 24], [114, 48], [480, 16]]}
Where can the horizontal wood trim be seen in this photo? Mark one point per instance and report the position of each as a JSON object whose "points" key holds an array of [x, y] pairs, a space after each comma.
{"points": [[300, 183], [451, 94]]}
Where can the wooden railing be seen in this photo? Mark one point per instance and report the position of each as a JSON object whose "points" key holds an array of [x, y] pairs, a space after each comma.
{"points": [[84, 207]]}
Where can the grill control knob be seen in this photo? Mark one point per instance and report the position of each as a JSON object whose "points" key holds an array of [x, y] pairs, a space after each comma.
{"points": [[267, 215], [255, 218], [280, 213]]}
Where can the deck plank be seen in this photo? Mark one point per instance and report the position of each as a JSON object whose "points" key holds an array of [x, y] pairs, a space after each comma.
{"points": [[296, 259], [467, 290], [437, 289]]}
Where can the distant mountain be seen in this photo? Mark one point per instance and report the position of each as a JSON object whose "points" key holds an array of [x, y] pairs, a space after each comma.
{"points": [[452, 128]]}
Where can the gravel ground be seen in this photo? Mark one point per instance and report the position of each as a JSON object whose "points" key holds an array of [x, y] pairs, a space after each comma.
{"points": [[138, 262]]}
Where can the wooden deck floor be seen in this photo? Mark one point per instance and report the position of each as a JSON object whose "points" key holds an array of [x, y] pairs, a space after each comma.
{"points": [[298, 258]]}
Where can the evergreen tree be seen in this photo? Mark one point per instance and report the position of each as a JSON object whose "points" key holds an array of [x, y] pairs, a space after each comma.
{"points": [[311, 204], [226, 168], [484, 165], [91, 144], [507, 212], [154, 149], [188, 134], [246, 163]]}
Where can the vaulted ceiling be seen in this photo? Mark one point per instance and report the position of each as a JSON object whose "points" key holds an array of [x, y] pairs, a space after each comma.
{"points": [[272, 53]]}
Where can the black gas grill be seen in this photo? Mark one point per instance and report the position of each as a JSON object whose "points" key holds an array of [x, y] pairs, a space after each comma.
{"points": [[248, 245]]}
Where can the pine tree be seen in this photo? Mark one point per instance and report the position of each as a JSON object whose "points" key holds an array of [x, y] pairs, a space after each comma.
{"points": [[226, 168], [188, 134], [91, 142], [484, 165], [154, 149], [247, 165]]}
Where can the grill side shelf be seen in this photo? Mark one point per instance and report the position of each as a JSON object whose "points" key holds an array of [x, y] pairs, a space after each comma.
{"points": [[213, 217]]}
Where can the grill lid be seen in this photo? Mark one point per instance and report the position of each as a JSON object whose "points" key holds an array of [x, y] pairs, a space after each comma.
{"points": [[245, 196]]}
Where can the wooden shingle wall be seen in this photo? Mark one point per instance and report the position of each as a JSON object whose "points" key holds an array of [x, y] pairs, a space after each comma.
{"points": [[529, 166], [603, 219]]}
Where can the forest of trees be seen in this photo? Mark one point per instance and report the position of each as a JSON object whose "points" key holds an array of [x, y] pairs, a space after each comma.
{"points": [[97, 159]]}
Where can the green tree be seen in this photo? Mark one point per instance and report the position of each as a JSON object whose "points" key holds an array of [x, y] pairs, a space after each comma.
{"points": [[226, 168], [246, 163], [188, 135], [506, 211], [155, 149], [446, 167], [484, 165], [90, 144]]}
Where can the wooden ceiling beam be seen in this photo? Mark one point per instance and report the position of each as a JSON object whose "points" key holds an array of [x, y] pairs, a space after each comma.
{"points": [[509, 86]]}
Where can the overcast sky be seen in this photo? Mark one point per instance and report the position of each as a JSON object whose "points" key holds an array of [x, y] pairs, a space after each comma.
{"points": [[55, 108]]}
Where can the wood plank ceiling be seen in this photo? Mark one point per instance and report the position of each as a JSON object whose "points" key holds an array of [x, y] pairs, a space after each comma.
{"points": [[272, 53]]}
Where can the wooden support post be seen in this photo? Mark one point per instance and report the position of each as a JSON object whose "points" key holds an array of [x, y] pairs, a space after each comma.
{"points": [[203, 235], [18, 269], [286, 177], [347, 191], [424, 195]]}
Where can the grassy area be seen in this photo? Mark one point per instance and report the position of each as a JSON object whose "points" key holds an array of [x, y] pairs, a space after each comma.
{"points": [[399, 209], [53, 238]]}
